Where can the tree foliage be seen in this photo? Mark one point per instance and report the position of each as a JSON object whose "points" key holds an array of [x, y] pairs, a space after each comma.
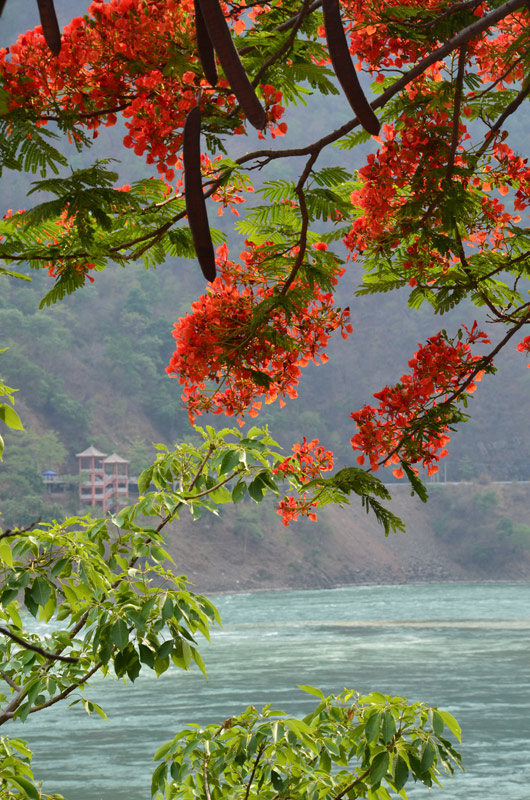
{"points": [[439, 208]]}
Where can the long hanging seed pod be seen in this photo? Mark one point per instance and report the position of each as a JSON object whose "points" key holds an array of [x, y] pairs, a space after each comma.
{"points": [[344, 68], [219, 33], [2, 4], [205, 47], [50, 26], [195, 205]]}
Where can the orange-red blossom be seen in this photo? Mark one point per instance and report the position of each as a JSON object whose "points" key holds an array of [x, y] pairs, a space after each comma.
{"points": [[387, 434]]}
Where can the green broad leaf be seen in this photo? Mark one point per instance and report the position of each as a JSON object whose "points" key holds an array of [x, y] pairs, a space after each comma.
{"points": [[388, 728], [70, 595], [160, 666], [437, 723], [231, 460], [5, 554], [162, 750], [97, 708], [400, 773], [427, 757], [14, 616], [167, 608], [299, 727], [127, 661], [40, 591], [59, 566], [119, 634], [256, 490], [221, 495], [325, 761], [239, 491], [372, 726], [312, 690], [452, 724], [199, 661], [144, 481], [268, 481], [182, 654], [157, 781], [48, 610], [278, 782], [147, 656], [379, 766], [8, 595], [10, 417], [26, 787], [165, 649]]}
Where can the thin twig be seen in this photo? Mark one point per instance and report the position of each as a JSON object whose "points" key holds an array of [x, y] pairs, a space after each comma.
{"points": [[287, 44], [18, 531], [254, 768], [205, 775], [36, 649], [352, 785], [511, 107], [196, 477], [456, 111], [302, 239], [9, 680], [447, 13]]}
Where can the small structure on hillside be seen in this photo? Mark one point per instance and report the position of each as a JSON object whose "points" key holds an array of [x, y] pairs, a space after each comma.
{"points": [[105, 479]]}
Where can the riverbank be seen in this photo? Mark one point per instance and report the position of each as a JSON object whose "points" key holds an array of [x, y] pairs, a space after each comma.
{"points": [[465, 532]]}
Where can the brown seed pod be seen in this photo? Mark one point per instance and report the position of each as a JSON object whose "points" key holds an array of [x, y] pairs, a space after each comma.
{"points": [[50, 26], [195, 205], [221, 39], [2, 4], [205, 47], [344, 68]]}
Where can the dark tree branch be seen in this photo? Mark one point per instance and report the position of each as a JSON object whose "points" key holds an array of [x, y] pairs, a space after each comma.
{"points": [[205, 777], [350, 786], [302, 240], [254, 768], [36, 649], [456, 112], [9, 680], [448, 12], [511, 107], [18, 531]]}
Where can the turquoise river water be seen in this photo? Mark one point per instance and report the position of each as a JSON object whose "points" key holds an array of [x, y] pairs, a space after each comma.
{"points": [[463, 647]]}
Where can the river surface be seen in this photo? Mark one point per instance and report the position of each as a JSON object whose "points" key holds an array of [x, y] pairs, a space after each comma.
{"points": [[463, 647]]}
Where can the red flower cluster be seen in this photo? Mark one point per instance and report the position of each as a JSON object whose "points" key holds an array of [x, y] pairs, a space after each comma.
{"points": [[290, 508], [96, 76], [249, 342], [524, 346], [407, 178], [309, 461], [387, 434]]}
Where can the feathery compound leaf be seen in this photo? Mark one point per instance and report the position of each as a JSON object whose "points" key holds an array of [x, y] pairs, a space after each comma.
{"points": [[25, 147]]}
